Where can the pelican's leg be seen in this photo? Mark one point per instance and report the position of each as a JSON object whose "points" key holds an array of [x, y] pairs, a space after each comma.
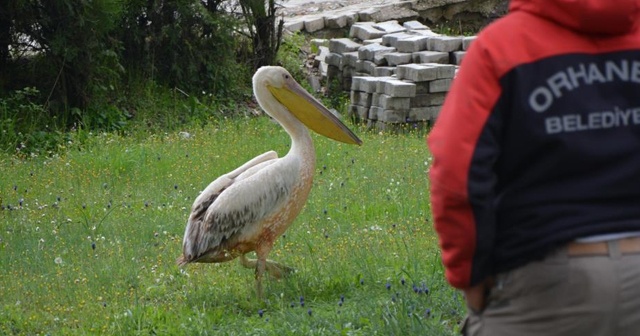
{"points": [[260, 267], [278, 270], [274, 269], [247, 263]]}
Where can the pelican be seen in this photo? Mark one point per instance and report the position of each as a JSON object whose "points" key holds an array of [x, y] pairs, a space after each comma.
{"points": [[248, 208]]}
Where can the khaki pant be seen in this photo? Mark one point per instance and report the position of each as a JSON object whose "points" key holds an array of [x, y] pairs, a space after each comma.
{"points": [[564, 295]]}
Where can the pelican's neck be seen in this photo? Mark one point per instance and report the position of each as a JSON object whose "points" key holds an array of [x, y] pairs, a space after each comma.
{"points": [[301, 143]]}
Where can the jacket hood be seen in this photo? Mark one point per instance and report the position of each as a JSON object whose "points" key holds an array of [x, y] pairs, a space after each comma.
{"points": [[611, 17]]}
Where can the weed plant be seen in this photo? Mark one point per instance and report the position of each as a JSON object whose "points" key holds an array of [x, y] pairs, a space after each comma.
{"points": [[89, 239]]}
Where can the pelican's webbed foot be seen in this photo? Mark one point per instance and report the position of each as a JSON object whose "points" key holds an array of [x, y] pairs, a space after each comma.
{"points": [[274, 269]]}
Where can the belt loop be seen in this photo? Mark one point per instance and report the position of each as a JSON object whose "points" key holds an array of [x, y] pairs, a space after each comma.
{"points": [[614, 249]]}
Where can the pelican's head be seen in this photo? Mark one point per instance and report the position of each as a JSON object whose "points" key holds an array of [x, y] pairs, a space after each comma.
{"points": [[277, 82]]}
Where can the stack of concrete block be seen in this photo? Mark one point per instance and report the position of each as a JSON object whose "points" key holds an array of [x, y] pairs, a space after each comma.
{"points": [[414, 95], [408, 56]]}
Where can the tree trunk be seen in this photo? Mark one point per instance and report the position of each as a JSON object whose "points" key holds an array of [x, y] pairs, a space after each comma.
{"points": [[5, 41]]}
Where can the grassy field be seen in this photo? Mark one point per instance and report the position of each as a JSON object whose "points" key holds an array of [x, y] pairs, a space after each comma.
{"points": [[89, 239]]}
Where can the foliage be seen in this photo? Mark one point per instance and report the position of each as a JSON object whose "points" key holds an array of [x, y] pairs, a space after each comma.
{"points": [[264, 28], [291, 55], [186, 44], [89, 238], [97, 64], [20, 124]]}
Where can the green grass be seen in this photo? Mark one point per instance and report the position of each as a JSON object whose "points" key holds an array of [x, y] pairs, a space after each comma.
{"points": [[89, 239]]}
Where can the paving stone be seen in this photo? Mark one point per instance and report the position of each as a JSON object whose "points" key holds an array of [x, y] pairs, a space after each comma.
{"points": [[384, 71], [360, 112], [424, 113], [342, 45], [394, 103], [375, 112], [334, 59], [368, 52], [294, 25], [397, 58], [373, 41], [414, 25], [390, 27], [444, 70], [439, 85], [426, 56], [457, 56], [395, 88], [352, 17], [335, 21], [393, 116], [421, 88], [375, 99], [365, 31], [323, 69], [445, 43], [412, 44], [380, 60], [417, 72], [367, 13], [428, 99], [368, 67], [321, 56], [466, 42], [347, 74], [360, 98], [350, 58], [379, 87], [391, 39], [313, 24], [368, 84]]}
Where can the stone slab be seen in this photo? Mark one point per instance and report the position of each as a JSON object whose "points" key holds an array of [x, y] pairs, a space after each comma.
{"points": [[439, 85], [393, 116], [368, 52], [384, 71], [457, 57], [398, 58], [365, 31], [424, 113], [414, 25], [391, 39], [412, 44], [428, 99], [336, 21], [395, 88], [342, 45], [466, 42], [445, 43], [390, 27], [313, 24], [431, 57]]}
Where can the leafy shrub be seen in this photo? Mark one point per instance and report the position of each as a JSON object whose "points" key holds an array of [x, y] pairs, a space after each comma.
{"points": [[25, 126]]}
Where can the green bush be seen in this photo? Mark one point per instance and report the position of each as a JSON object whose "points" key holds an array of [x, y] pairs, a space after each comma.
{"points": [[25, 126]]}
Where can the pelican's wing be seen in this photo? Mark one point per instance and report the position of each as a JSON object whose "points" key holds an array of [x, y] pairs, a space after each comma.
{"points": [[235, 202]]}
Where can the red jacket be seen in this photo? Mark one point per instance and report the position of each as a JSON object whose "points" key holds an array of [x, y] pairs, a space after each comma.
{"points": [[538, 142]]}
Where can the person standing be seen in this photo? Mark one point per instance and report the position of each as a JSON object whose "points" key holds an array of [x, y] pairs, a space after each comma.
{"points": [[535, 182]]}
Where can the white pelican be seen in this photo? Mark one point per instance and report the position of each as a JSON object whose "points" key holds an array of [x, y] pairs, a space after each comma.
{"points": [[247, 209]]}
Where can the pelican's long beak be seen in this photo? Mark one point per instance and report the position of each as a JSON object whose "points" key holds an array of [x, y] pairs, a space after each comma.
{"points": [[312, 113]]}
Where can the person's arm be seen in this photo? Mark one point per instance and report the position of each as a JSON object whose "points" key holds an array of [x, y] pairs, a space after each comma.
{"points": [[464, 148]]}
